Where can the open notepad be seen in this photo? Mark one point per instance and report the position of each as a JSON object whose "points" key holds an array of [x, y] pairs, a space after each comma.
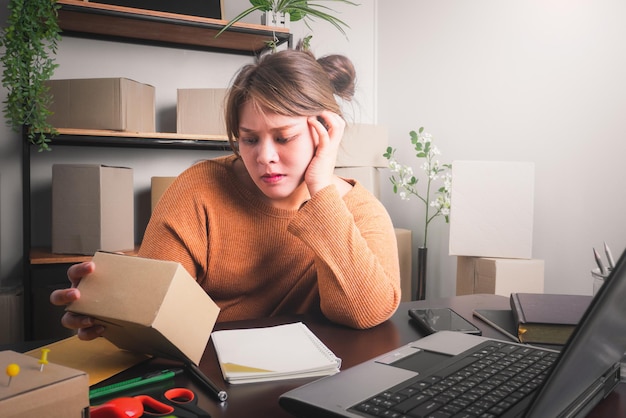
{"points": [[272, 353]]}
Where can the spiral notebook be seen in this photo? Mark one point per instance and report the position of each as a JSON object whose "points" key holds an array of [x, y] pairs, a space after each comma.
{"points": [[272, 353]]}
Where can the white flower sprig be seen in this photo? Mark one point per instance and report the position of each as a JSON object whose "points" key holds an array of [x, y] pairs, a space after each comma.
{"points": [[405, 183]]}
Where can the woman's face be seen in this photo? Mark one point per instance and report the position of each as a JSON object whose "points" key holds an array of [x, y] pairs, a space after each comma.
{"points": [[276, 151]]}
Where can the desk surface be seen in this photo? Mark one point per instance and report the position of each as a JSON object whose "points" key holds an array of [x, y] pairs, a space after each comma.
{"points": [[353, 347]]}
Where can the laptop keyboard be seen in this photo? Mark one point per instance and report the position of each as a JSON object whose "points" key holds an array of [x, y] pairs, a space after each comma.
{"points": [[489, 381]]}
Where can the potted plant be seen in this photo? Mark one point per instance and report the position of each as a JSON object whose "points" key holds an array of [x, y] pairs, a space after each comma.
{"points": [[30, 41], [296, 10], [405, 183]]}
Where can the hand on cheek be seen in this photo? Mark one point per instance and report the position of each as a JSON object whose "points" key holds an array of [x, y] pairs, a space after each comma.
{"points": [[315, 133], [326, 139]]}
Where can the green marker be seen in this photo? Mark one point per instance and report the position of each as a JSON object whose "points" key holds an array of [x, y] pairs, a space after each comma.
{"points": [[133, 383]]}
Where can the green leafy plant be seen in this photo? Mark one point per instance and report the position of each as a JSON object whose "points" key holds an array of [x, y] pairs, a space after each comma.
{"points": [[405, 183], [30, 41], [297, 9]]}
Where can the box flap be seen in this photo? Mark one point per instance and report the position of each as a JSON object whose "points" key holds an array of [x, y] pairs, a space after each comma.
{"points": [[124, 288]]}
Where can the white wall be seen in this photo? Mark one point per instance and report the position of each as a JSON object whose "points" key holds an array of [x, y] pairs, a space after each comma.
{"points": [[540, 81]]}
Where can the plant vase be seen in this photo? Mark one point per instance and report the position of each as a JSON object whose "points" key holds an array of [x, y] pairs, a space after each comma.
{"points": [[422, 258], [276, 19]]}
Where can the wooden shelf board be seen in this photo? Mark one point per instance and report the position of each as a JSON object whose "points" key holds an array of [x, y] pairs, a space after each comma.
{"points": [[41, 255], [107, 138], [77, 16], [125, 134]]}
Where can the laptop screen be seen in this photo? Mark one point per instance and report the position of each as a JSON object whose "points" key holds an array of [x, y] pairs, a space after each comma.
{"points": [[597, 344]]}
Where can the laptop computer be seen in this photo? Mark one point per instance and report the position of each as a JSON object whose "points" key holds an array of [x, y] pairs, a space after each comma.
{"points": [[412, 381]]}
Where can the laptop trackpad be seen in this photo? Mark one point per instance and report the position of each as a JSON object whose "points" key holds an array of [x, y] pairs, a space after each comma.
{"points": [[413, 359], [422, 361]]}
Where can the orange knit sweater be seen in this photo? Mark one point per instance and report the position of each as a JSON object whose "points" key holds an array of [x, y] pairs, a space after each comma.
{"points": [[337, 255]]}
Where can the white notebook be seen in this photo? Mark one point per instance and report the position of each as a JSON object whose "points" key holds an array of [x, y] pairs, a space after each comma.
{"points": [[272, 353]]}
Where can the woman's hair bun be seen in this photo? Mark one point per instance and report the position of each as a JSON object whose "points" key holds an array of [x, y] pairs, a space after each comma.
{"points": [[341, 73]]}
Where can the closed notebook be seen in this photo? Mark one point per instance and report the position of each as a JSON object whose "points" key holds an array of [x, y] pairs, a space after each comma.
{"points": [[272, 353], [547, 318]]}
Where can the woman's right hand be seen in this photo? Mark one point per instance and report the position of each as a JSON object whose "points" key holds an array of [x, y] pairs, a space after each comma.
{"points": [[86, 327]]}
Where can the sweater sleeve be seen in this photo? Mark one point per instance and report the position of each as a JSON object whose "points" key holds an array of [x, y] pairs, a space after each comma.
{"points": [[356, 256]]}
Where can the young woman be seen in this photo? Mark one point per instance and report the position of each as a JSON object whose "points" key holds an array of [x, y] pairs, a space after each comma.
{"points": [[271, 230]]}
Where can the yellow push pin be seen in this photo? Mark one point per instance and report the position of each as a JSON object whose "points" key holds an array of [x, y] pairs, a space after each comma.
{"points": [[44, 358], [12, 370]]}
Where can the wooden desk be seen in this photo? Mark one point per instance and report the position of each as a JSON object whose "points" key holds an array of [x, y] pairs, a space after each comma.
{"points": [[353, 347]]}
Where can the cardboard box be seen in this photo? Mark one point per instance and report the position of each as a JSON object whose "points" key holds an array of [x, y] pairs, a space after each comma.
{"points": [[363, 145], [92, 208], [200, 111], [54, 392], [369, 177], [158, 186], [148, 306], [499, 276], [117, 104], [492, 209], [405, 256]]}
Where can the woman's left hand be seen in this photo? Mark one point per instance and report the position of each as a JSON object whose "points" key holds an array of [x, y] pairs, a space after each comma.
{"points": [[320, 172]]}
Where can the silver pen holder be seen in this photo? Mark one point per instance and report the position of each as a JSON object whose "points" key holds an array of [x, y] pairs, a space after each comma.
{"points": [[598, 279]]}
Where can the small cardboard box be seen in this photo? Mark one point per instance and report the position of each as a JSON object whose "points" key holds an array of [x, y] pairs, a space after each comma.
{"points": [[200, 111], [117, 104], [405, 254], [363, 145], [492, 209], [54, 392], [369, 177], [92, 208], [499, 276], [148, 306], [158, 186]]}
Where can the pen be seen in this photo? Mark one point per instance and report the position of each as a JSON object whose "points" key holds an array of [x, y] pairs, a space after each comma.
{"points": [[218, 393], [599, 261], [133, 383], [609, 256]]}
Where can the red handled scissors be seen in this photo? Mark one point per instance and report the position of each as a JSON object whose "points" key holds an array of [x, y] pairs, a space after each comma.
{"points": [[180, 402]]}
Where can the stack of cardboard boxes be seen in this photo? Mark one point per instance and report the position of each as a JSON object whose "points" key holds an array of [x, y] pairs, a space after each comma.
{"points": [[92, 204], [491, 228]]}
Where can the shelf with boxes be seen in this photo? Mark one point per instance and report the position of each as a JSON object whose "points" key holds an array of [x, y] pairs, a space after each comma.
{"points": [[43, 270], [104, 113]]}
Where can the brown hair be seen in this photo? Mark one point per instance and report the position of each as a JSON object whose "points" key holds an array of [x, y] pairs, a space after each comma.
{"points": [[291, 83]]}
